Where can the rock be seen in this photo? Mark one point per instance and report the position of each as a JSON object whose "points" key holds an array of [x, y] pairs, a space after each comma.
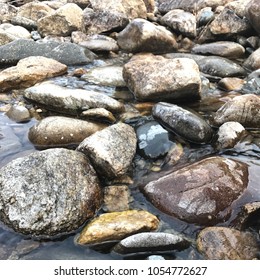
{"points": [[157, 78], [229, 134], [253, 61], [238, 6], [81, 3], [18, 113], [29, 24], [111, 150], [71, 101], [205, 16], [117, 225], [155, 258], [252, 83], [16, 31], [200, 193], [111, 76], [150, 242], [143, 36], [244, 109], [130, 8], [116, 198], [153, 140], [183, 122], [181, 21], [95, 43], [62, 22], [229, 23], [220, 243], [252, 14], [30, 71], [7, 12], [58, 194], [99, 114], [67, 53], [35, 10], [220, 48], [231, 84], [150, 5], [100, 21], [61, 132]]}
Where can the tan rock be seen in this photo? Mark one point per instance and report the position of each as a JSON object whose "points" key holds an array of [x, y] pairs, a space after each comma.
{"points": [[117, 225], [253, 61], [231, 83], [29, 71], [99, 114]]}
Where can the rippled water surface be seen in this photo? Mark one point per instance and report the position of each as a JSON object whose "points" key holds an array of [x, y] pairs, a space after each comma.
{"points": [[14, 143]]}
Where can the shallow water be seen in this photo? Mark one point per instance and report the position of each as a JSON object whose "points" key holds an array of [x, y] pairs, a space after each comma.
{"points": [[14, 143]]}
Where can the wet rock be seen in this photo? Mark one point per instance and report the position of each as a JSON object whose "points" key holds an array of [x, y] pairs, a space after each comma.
{"points": [[183, 122], [99, 114], [150, 242], [130, 8], [34, 10], [244, 109], [252, 14], [231, 84], [181, 22], [61, 132], [30, 71], [18, 113], [105, 76], [204, 16], [200, 193], [252, 83], [58, 195], [229, 23], [66, 53], [95, 43], [157, 78], [62, 22], [143, 36], [100, 21], [7, 12], [221, 48], [253, 61], [116, 198], [117, 225], [111, 150], [72, 101], [220, 243], [229, 134], [153, 140]]}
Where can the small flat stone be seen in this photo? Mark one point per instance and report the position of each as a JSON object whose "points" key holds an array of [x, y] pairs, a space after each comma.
{"points": [[18, 113]]}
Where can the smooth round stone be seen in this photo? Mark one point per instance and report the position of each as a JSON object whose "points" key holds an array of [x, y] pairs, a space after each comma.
{"points": [[230, 84], [99, 114], [18, 113]]}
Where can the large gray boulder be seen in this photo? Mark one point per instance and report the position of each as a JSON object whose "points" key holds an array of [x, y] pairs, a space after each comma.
{"points": [[111, 150], [200, 193], [156, 78], [48, 193]]}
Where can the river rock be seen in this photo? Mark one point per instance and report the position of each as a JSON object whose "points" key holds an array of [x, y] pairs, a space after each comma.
{"points": [[244, 109], [252, 14], [252, 83], [220, 243], [200, 193], [18, 113], [231, 84], [6, 38], [34, 10], [99, 114], [117, 225], [72, 101], [48, 193], [181, 21], [105, 76], [150, 242], [100, 21], [61, 132], [204, 16], [220, 48], [81, 3], [157, 78], [229, 135], [184, 123], [66, 53], [153, 140], [95, 43], [229, 23], [7, 12], [253, 61], [62, 22], [131, 8], [111, 150], [29, 71], [16, 31], [143, 36]]}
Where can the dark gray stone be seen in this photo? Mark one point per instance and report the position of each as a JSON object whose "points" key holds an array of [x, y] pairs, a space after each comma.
{"points": [[67, 53]]}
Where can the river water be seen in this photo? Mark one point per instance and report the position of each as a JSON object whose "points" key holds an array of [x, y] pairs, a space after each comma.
{"points": [[14, 143]]}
